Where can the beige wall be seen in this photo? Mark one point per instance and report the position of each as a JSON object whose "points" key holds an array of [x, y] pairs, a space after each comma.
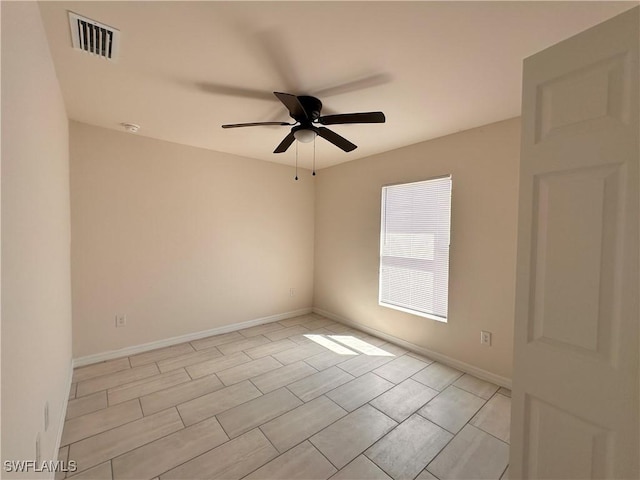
{"points": [[36, 298], [181, 239], [484, 165]]}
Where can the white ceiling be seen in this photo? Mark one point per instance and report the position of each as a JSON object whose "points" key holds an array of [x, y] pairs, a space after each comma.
{"points": [[185, 68]]}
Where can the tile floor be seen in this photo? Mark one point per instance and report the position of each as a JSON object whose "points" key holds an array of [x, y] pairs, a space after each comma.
{"points": [[304, 398]]}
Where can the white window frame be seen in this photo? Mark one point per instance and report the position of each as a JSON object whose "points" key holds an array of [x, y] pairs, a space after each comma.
{"points": [[441, 245]]}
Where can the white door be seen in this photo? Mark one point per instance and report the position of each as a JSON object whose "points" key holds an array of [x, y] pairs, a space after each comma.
{"points": [[575, 410]]}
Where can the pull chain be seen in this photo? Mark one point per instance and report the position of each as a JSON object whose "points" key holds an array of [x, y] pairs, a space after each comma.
{"points": [[296, 160], [314, 157]]}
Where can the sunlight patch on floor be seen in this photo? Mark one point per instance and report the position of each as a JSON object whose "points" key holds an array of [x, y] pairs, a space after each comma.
{"points": [[361, 346], [348, 345], [331, 345]]}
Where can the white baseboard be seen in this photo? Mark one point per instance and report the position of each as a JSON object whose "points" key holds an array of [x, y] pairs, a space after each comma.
{"points": [[135, 349], [63, 414], [145, 347], [452, 362]]}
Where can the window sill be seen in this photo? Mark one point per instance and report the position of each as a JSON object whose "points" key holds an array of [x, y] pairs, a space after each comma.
{"points": [[414, 312]]}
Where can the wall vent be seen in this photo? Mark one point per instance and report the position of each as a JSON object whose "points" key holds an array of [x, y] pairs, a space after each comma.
{"points": [[94, 37]]}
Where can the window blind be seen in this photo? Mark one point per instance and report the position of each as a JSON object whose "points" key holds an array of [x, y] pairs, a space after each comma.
{"points": [[414, 247]]}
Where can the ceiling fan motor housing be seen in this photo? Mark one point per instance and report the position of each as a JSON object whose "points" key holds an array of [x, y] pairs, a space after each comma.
{"points": [[311, 105]]}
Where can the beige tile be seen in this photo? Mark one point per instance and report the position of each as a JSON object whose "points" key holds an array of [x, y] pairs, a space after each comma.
{"points": [[409, 447], [315, 385], [270, 348], [370, 339], [299, 424], [231, 460], [270, 381], [303, 339], [326, 359], [338, 327], [425, 475], [72, 391], [452, 408], [99, 472], [361, 469], [286, 332], [362, 364], [217, 402], [471, 454], [254, 413], [260, 329], [99, 448], [404, 399], [394, 349], [181, 393], [128, 391], [373, 340], [96, 422], [111, 380], [217, 364], [362, 343], [437, 376], [400, 368], [426, 360], [63, 456], [244, 344], [102, 368], [348, 330], [476, 386], [188, 359], [160, 354], [495, 417], [290, 322], [347, 438], [322, 337], [168, 452], [208, 342], [319, 323], [303, 462], [83, 405], [299, 353], [505, 391], [248, 370], [357, 392]]}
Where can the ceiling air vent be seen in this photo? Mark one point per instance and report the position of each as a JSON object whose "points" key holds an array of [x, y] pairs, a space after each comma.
{"points": [[94, 37]]}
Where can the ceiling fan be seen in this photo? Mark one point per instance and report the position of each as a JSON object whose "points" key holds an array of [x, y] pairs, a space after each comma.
{"points": [[306, 111]]}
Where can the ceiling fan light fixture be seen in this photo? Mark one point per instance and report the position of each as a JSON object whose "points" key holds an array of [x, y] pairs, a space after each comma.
{"points": [[304, 135]]}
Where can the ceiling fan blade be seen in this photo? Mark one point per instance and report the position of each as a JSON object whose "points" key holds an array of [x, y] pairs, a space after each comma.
{"points": [[235, 91], [277, 52], [365, 117], [293, 105], [254, 124], [284, 144], [336, 139], [358, 84]]}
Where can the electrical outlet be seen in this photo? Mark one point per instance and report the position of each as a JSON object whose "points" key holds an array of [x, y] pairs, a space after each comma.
{"points": [[121, 321], [485, 338], [38, 451], [46, 416], [292, 292]]}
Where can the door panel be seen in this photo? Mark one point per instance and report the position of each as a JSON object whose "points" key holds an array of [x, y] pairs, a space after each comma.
{"points": [[575, 386]]}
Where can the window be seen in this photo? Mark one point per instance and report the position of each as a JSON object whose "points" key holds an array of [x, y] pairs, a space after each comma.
{"points": [[414, 247]]}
